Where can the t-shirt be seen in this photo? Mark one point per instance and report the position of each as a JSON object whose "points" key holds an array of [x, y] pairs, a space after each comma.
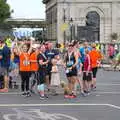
{"points": [[0, 56], [16, 59], [94, 56], [87, 62], [41, 57], [33, 62], [50, 54], [82, 52], [24, 62], [111, 50]]}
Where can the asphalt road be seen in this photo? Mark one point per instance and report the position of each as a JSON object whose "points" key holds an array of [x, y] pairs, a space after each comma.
{"points": [[102, 104]]}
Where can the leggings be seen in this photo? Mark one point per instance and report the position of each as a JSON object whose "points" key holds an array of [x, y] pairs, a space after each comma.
{"points": [[94, 71], [25, 80]]}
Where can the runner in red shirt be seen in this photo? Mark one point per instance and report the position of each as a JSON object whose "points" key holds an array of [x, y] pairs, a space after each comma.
{"points": [[87, 74]]}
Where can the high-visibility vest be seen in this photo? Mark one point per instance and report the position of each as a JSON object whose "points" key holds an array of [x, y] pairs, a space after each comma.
{"points": [[98, 47], [8, 42]]}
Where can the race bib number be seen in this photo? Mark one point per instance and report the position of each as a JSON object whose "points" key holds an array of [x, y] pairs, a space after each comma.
{"points": [[26, 62], [70, 63]]}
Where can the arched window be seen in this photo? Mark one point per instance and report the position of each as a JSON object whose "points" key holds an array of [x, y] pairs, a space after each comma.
{"points": [[90, 32]]}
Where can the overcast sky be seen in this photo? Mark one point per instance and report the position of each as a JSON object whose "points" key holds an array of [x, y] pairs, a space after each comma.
{"points": [[27, 8]]}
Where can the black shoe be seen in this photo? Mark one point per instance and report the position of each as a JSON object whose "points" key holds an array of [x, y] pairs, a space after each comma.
{"points": [[28, 94], [55, 94], [46, 96], [85, 91], [23, 93]]}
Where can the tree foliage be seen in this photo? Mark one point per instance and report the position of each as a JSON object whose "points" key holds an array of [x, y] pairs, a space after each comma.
{"points": [[4, 11], [114, 36]]}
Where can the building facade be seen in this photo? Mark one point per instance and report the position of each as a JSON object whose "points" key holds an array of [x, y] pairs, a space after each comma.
{"points": [[93, 20]]}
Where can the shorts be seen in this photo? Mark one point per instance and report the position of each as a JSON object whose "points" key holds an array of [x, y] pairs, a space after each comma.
{"points": [[41, 77], [94, 71], [72, 72], [87, 77]]}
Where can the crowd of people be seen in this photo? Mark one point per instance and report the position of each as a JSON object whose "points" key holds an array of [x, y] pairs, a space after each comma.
{"points": [[39, 64]]}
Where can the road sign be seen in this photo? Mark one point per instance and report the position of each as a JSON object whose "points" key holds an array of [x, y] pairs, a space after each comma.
{"points": [[64, 27]]}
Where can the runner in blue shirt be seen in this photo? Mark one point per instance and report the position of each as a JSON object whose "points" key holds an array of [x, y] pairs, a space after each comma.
{"points": [[82, 50], [50, 54]]}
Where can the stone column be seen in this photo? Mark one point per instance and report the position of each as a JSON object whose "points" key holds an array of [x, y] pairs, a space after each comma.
{"points": [[102, 31], [60, 35], [114, 17]]}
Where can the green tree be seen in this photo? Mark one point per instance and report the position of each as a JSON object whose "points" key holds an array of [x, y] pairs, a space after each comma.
{"points": [[4, 11]]}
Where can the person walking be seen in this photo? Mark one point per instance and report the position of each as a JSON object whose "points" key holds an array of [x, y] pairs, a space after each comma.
{"points": [[95, 57], [24, 55], [42, 68], [71, 61], [33, 66], [5, 64]]}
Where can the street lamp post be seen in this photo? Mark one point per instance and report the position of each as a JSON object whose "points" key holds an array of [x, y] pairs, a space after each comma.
{"points": [[71, 29], [64, 18]]}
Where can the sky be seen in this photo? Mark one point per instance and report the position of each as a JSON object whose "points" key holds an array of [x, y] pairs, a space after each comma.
{"points": [[27, 8]]}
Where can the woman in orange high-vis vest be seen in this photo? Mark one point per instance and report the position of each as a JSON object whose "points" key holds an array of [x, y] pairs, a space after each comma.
{"points": [[95, 57], [34, 66], [24, 54]]}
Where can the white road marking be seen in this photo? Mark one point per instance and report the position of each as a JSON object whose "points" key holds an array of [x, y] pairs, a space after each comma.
{"points": [[95, 92], [28, 115], [66, 104], [114, 106], [45, 115], [36, 105], [10, 93], [108, 84], [113, 93]]}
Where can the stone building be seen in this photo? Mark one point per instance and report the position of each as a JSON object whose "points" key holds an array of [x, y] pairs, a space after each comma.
{"points": [[93, 20]]}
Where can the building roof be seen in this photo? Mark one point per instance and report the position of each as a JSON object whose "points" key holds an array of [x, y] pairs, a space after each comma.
{"points": [[23, 22], [46, 1]]}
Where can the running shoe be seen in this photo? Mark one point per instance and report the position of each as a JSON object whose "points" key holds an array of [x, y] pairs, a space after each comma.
{"points": [[42, 97], [72, 96], [83, 94], [23, 93], [88, 92], [28, 94], [93, 89], [66, 96]]}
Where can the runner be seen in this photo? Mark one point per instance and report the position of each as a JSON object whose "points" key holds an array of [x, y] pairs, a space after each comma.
{"points": [[71, 61], [24, 54], [5, 64], [95, 57], [42, 62], [87, 72], [50, 54], [117, 60], [111, 53], [34, 66], [79, 68], [1, 74]]}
